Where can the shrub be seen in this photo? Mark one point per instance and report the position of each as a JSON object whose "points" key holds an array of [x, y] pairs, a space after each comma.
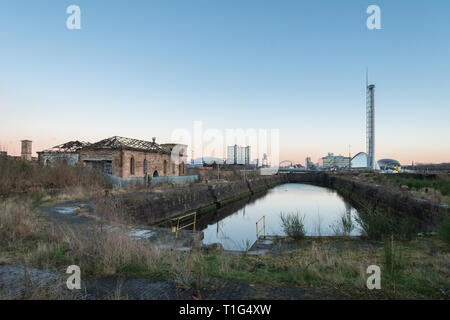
{"points": [[377, 225], [444, 231], [293, 225]]}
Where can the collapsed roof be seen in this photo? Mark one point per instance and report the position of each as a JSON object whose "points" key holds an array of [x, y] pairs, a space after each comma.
{"points": [[68, 147], [117, 142]]}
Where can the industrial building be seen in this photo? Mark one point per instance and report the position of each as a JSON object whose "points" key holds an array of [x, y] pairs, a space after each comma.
{"points": [[238, 155], [66, 153], [132, 158]]}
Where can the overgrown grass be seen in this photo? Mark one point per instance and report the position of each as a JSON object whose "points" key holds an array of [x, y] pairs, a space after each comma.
{"points": [[440, 184], [443, 230], [393, 260], [415, 269], [293, 225], [19, 176], [408, 271], [18, 222]]}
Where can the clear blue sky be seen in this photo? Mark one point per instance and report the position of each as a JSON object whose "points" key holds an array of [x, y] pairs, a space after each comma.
{"points": [[144, 68]]}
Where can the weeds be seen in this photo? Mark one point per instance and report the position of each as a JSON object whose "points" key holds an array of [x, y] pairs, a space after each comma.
{"points": [[17, 222], [393, 260], [444, 231], [440, 184], [293, 225], [344, 225], [20, 176]]}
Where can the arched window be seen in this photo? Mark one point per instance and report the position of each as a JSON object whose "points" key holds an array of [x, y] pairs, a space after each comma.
{"points": [[173, 168], [132, 165], [145, 166], [165, 167]]}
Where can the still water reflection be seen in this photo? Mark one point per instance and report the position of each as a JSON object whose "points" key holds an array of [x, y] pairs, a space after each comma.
{"points": [[322, 208]]}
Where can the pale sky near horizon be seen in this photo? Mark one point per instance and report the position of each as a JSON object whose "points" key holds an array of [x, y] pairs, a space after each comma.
{"points": [[147, 68]]}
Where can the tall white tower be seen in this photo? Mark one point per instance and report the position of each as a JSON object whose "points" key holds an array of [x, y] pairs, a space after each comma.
{"points": [[370, 125]]}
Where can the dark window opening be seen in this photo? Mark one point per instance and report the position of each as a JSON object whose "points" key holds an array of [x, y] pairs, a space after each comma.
{"points": [[145, 166], [132, 165]]}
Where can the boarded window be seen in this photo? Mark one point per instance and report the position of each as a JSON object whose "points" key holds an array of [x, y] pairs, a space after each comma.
{"points": [[107, 167]]}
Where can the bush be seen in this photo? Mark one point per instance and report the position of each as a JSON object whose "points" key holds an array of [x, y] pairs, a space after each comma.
{"points": [[444, 231], [377, 225], [293, 225]]}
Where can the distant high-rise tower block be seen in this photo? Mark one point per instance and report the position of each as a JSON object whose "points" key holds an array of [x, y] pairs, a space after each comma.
{"points": [[370, 126], [26, 150]]}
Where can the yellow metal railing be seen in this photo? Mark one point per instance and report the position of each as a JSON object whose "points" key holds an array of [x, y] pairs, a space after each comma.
{"points": [[263, 228], [177, 228]]}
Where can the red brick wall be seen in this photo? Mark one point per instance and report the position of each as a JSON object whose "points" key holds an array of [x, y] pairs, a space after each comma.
{"points": [[121, 161]]}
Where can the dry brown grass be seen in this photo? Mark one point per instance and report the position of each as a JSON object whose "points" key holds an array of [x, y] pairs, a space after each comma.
{"points": [[17, 222], [99, 251], [20, 176], [424, 266], [112, 211]]}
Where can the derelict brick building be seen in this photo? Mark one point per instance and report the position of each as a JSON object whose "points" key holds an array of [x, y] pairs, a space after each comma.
{"points": [[132, 158]]}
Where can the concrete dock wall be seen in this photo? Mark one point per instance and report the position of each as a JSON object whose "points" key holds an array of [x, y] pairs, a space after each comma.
{"points": [[152, 207], [389, 200], [155, 207]]}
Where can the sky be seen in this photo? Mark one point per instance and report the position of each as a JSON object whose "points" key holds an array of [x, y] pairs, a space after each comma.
{"points": [[144, 69]]}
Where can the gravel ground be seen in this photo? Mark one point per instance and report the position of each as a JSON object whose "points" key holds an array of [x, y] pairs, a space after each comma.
{"points": [[18, 283]]}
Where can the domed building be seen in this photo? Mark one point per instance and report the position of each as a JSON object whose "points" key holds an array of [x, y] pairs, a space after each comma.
{"points": [[389, 164]]}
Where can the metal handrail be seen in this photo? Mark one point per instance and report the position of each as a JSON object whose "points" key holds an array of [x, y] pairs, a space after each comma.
{"points": [[258, 230], [178, 219]]}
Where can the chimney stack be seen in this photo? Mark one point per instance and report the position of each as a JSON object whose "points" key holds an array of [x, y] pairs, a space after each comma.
{"points": [[26, 150]]}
